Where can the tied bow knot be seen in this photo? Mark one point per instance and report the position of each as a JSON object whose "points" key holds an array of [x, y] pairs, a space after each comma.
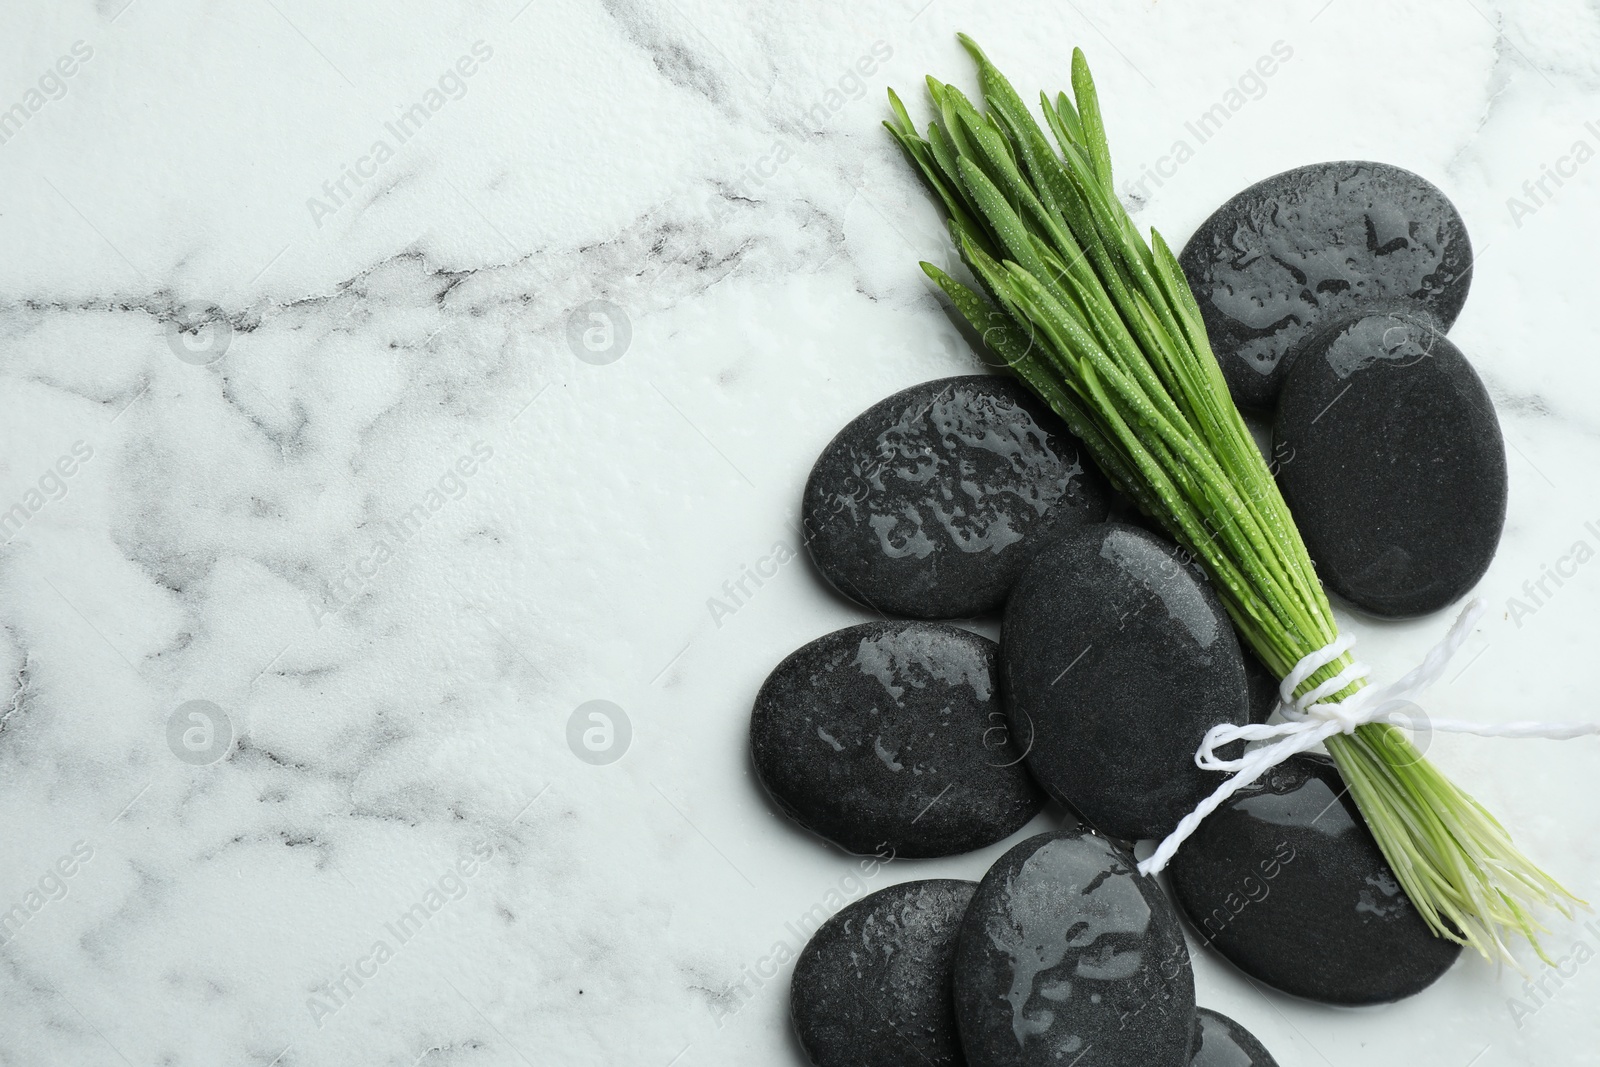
{"points": [[1309, 720]]}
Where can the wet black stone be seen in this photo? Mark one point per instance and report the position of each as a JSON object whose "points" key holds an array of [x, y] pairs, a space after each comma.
{"points": [[1393, 464], [1286, 881], [1261, 686], [1116, 658], [1068, 956], [889, 736], [1221, 1042], [931, 502], [1292, 251], [872, 987]]}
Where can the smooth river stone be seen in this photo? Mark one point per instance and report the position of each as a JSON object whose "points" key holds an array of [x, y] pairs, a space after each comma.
{"points": [[1221, 1042], [872, 986], [1286, 881], [889, 736], [1115, 660], [1290, 252], [1068, 956], [1393, 464], [1261, 686], [931, 502]]}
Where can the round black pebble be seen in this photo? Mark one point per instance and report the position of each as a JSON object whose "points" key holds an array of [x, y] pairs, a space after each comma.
{"points": [[872, 987], [930, 502], [1261, 686], [1292, 251], [889, 737], [1286, 881], [1068, 956], [1116, 659], [1221, 1042], [1392, 463]]}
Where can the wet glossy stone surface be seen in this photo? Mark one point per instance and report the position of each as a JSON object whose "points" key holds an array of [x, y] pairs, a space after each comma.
{"points": [[931, 502], [1261, 687], [1067, 956], [872, 988], [1116, 659], [1286, 881], [1221, 1042], [1301, 247], [1395, 468], [889, 736]]}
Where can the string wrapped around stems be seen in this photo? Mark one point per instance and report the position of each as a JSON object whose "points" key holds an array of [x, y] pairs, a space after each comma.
{"points": [[1310, 720]]}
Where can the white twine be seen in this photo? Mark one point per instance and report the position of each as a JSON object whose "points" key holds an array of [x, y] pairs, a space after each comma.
{"points": [[1308, 722]]}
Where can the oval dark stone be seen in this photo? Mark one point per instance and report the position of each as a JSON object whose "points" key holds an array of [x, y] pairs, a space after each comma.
{"points": [[1286, 881], [1392, 463], [890, 736], [1221, 1042], [872, 986], [930, 502], [1068, 956], [1261, 686], [1288, 253], [1116, 659]]}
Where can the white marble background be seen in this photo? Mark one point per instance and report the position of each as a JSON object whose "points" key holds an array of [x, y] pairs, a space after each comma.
{"points": [[716, 173]]}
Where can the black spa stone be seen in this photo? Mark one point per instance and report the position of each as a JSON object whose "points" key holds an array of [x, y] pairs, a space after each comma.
{"points": [[930, 502], [1116, 658], [1286, 881], [1394, 467], [1068, 956], [872, 986], [1290, 252], [1261, 687], [1221, 1042], [889, 737]]}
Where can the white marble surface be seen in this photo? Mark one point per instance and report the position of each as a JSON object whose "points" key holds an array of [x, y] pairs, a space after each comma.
{"points": [[718, 173]]}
